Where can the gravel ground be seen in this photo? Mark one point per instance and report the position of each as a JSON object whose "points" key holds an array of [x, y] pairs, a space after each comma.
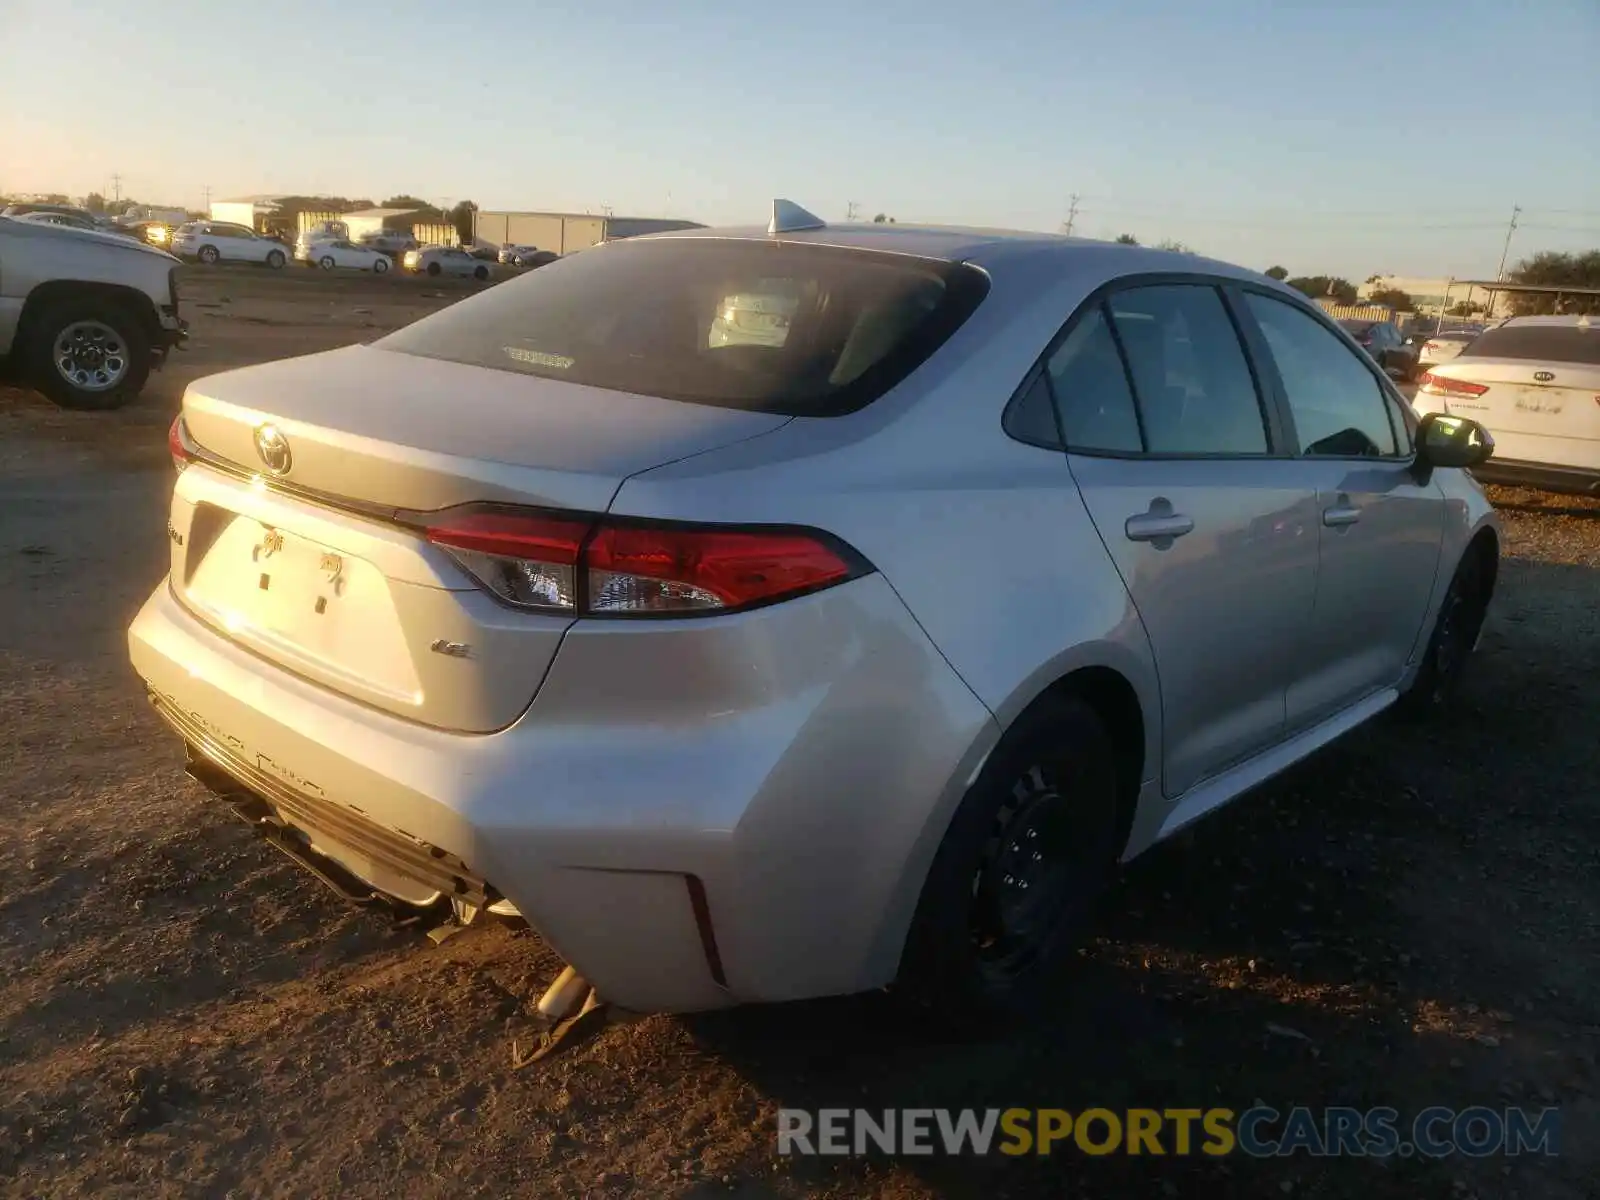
{"points": [[1409, 919]]}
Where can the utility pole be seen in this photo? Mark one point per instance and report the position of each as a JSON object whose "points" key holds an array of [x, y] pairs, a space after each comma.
{"points": [[207, 190], [852, 210], [116, 186], [1516, 211], [1072, 215]]}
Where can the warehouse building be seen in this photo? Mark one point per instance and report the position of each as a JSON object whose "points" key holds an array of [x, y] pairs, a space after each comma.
{"points": [[565, 232]]}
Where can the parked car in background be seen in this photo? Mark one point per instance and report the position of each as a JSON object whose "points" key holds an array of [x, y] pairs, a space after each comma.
{"points": [[155, 233], [85, 316], [1442, 347], [219, 241], [66, 210], [539, 258], [70, 220], [444, 260], [511, 253], [1383, 341], [343, 253], [855, 655], [389, 241], [1534, 382]]}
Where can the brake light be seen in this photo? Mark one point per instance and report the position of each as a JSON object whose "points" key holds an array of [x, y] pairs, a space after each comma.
{"points": [[1440, 385], [600, 567], [178, 443]]}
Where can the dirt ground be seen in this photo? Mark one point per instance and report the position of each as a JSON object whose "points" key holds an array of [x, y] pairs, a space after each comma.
{"points": [[1410, 919]]}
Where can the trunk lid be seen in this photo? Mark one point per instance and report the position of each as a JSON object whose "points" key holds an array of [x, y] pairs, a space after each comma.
{"points": [[309, 570]]}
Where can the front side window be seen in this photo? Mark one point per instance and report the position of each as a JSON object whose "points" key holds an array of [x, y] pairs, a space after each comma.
{"points": [[771, 327], [1339, 409], [1194, 388]]}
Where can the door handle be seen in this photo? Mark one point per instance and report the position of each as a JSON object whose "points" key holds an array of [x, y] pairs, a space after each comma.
{"points": [[1341, 514], [1159, 524]]}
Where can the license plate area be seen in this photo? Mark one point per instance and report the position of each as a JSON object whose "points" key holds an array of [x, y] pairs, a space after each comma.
{"points": [[308, 606]]}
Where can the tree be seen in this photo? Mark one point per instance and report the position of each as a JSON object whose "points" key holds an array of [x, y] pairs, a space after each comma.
{"points": [[1466, 308], [461, 217], [882, 219], [1553, 269], [1278, 273], [1319, 286], [1127, 239], [95, 202], [405, 201], [1392, 297], [1372, 279], [1175, 246]]}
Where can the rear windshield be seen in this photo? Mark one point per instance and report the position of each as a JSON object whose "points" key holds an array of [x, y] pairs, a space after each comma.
{"points": [[1540, 343], [1356, 327], [773, 327]]}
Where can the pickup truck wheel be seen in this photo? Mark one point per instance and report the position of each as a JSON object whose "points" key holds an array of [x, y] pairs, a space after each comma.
{"points": [[89, 354]]}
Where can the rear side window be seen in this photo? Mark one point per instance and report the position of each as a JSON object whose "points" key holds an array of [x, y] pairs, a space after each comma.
{"points": [[1194, 386], [772, 327], [1539, 343], [1339, 410], [1097, 412]]}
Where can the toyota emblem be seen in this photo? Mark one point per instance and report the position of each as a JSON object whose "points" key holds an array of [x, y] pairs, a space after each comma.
{"points": [[273, 448], [1544, 376]]}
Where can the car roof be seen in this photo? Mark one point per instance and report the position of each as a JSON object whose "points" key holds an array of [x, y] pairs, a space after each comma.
{"points": [[980, 246], [1564, 319]]}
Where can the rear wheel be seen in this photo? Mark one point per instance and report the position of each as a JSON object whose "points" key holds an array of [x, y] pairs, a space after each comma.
{"points": [[1455, 636], [275, 259], [380, 265], [90, 354], [208, 255], [434, 268], [326, 262], [1015, 882], [481, 273]]}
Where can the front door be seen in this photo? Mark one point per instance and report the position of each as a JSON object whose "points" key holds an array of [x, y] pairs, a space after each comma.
{"points": [[1380, 532], [1214, 535]]}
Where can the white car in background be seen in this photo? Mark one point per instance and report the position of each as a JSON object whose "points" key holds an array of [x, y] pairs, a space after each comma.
{"points": [[444, 260], [343, 253], [511, 252], [1534, 383], [389, 241], [1442, 347], [219, 241]]}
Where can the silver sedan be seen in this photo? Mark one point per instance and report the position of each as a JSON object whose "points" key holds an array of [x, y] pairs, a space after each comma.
{"points": [[444, 260], [857, 649]]}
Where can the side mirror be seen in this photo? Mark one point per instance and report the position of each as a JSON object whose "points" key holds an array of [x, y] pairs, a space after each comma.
{"points": [[1452, 442]]}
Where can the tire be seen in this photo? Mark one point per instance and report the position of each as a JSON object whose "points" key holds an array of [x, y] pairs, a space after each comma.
{"points": [[208, 255], [434, 268], [107, 344], [481, 273], [326, 262], [979, 951], [380, 266], [275, 259], [1455, 635]]}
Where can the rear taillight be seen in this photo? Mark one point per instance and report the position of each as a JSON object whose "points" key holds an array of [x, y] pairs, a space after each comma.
{"points": [[178, 443], [1440, 385], [604, 567]]}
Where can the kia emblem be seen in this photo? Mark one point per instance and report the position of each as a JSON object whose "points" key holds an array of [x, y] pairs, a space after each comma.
{"points": [[1544, 376]]}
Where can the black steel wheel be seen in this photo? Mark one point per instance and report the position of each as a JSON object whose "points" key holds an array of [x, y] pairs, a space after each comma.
{"points": [[1014, 885]]}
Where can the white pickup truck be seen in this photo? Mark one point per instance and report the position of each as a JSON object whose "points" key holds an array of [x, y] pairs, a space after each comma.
{"points": [[85, 316]]}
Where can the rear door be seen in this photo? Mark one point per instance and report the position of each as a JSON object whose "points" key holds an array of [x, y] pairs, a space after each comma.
{"points": [[1212, 528], [1536, 387], [1379, 530]]}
